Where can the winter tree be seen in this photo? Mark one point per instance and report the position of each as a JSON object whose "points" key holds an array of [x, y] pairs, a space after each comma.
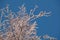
{"points": [[18, 26]]}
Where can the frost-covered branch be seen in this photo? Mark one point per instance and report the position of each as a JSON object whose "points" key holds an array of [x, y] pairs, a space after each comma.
{"points": [[16, 25]]}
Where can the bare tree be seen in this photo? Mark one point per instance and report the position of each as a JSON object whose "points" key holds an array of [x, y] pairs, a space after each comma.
{"points": [[19, 24]]}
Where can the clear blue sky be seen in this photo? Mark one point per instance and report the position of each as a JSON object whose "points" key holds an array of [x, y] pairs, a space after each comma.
{"points": [[50, 25]]}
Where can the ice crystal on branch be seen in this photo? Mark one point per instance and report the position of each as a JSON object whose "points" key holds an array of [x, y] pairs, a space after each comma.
{"points": [[16, 26]]}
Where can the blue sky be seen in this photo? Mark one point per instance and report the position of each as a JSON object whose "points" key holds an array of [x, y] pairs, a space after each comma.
{"points": [[47, 25]]}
